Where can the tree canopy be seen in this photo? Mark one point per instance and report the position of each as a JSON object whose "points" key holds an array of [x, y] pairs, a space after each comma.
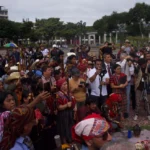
{"points": [[132, 19], [50, 28]]}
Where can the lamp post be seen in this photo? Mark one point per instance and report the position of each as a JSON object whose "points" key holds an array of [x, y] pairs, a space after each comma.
{"points": [[141, 22], [122, 30], [146, 25], [116, 31], [105, 38], [81, 26]]}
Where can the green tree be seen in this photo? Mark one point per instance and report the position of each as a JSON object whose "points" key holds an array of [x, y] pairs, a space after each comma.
{"points": [[69, 30], [8, 29], [48, 28]]}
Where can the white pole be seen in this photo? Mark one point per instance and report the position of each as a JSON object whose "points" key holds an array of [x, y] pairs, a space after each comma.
{"points": [[80, 40], [110, 40], [89, 39], [94, 39], [99, 39], [116, 37], [105, 37]]}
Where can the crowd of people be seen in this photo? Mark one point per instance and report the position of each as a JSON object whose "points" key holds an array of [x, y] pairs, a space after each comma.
{"points": [[80, 96]]}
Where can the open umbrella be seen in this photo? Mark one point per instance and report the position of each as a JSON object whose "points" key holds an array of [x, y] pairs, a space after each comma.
{"points": [[10, 45]]}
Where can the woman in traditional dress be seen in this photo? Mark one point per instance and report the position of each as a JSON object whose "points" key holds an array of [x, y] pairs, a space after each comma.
{"points": [[65, 105], [118, 83], [17, 127]]}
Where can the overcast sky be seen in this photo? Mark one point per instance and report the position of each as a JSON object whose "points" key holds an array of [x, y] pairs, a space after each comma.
{"points": [[66, 10]]}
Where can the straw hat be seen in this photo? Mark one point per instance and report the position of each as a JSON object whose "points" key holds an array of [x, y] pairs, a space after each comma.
{"points": [[13, 76]]}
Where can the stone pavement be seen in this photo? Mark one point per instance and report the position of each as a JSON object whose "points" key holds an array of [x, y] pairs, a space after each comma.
{"points": [[142, 118]]}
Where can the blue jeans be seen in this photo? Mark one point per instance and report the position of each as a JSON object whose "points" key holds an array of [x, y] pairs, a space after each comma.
{"points": [[128, 90]]}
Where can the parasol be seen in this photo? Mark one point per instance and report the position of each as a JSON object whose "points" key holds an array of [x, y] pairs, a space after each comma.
{"points": [[10, 45]]}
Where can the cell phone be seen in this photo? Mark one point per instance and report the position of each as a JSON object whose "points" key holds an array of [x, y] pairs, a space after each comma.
{"points": [[47, 87]]}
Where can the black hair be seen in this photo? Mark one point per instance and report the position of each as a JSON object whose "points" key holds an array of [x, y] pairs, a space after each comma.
{"points": [[142, 61], [56, 72], [70, 58], [25, 94], [45, 67], [60, 52], [89, 101], [99, 60], [3, 96], [115, 66], [106, 54], [72, 50]]}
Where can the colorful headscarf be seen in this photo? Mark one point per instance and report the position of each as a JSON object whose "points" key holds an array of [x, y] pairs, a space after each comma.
{"points": [[60, 82], [82, 67], [92, 126], [113, 102], [14, 125], [113, 98]]}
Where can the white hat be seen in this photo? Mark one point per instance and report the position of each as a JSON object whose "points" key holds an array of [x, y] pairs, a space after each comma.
{"points": [[37, 60], [14, 68], [6, 65], [54, 45], [57, 68], [127, 41], [70, 53]]}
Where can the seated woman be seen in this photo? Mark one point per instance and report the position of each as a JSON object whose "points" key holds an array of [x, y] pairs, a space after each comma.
{"points": [[65, 106], [17, 127], [111, 110]]}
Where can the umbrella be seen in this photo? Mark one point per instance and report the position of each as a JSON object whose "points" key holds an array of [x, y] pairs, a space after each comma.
{"points": [[10, 45]]}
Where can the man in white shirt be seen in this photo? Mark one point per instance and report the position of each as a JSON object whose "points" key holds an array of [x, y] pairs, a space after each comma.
{"points": [[127, 68], [44, 51], [98, 83]]}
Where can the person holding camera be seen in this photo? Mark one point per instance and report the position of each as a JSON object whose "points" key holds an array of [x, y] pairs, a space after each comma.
{"points": [[106, 49], [82, 52], [142, 82], [98, 82], [127, 48], [128, 69]]}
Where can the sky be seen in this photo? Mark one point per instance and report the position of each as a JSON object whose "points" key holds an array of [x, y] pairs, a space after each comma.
{"points": [[67, 10]]}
